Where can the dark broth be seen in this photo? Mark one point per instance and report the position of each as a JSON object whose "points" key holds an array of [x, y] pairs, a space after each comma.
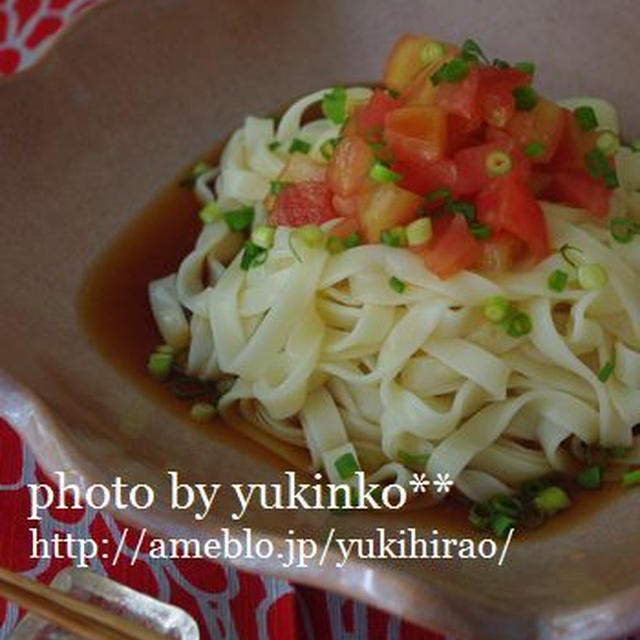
{"points": [[114, 308]]}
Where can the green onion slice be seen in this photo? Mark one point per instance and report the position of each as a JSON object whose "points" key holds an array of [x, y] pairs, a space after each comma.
{"points": [[526, 66], [299, 146], [334, 105], [551, 500], [451, 72], [479, 230], [431, 52], [381, 173], [565, 251], [631, 478], [472, 52], [498, 163], [501, 524], [397, 285], [623, 230], [346, 466], [159, 365], [590, 478], [250, 255], [592, 276], [525, 98], [586, 118], [239, 219], [606, 371], [558, 280], [496, 309], [535, 149], [520, 325]]}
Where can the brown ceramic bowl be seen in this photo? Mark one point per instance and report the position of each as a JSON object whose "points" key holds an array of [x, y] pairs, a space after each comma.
{"points": [[129, 97]]}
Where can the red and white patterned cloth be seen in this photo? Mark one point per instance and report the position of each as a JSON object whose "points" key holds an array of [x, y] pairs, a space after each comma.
{"points": [[227, 604]]}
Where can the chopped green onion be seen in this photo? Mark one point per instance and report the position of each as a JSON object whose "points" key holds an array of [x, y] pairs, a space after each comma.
{"points": [[431, 52], [631, 477], [239, 219], [381, 173], [334, 105], [415, 461], [608, 142], [328, 147], [525, 98], [397, 285], [352, 240], [527, 67], [419, 231], [551, 500], [500, 64], [496, 309], [472, 52], [467, 209], [453, 71], [210, 212], [586, 118], [479, 230], [159, 365], [590, 478], [438, 194], [203, 412], [498, 163], [196, 171], [393, 93], [507, 505], [623, 230], [531, 488], [346, 466], [598, 166], [395, 237], [299, 146], [501, 524], [480, 515], [520, 325], [272, 146], [592, 276], [251, 256], [535, 149], [557, 281], [275, 187], [334, 245], [605, 372], [311, 235], [263, 236], [564, 252]]}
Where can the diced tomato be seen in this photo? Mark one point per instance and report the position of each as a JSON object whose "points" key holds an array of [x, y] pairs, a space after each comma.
{"points": [[385, 206], [462, 133], [345, 227], [495, 93], [500, 252], [452, 248], [460, 98], [424, 177], [574, 144], [349, 165], [472, 170], [370, 118], [416, 134], [507, 204], [405, 61], [421, 90], [301, 168], [303, 203], [345, 206], [543, 124], [578, 189]]}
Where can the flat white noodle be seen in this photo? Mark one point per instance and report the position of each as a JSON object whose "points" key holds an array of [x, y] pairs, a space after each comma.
{"points": [[328, 357]]}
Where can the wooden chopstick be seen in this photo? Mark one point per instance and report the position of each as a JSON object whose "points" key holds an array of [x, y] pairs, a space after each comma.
{"points": [[84, 620]]}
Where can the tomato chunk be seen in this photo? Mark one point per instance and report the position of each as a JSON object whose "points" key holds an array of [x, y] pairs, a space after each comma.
{"points": [[349, 166], [303, 203], [424, 177], [452, 248], [473, 174], [578, 189], [405, 60], [574, 144], [370, 118], [543, 125], [507, 204], [386, 206], [460, 98], [416, 134]]}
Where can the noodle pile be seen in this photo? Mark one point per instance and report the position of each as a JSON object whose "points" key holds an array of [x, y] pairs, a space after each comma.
{"points": [[326, 356]]}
